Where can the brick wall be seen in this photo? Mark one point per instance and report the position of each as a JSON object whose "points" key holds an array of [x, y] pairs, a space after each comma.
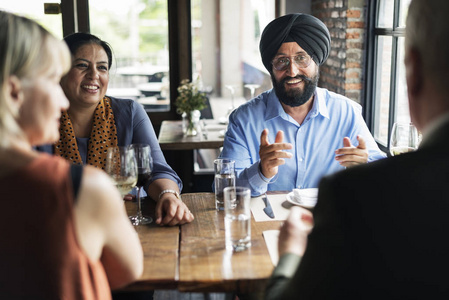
{"points": [[342, 72]]}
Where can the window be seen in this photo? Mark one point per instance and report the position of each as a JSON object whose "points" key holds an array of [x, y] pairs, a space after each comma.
{"points": [[34, 9], [154, 45], [137, 31], [386, 91], [225, 50]]}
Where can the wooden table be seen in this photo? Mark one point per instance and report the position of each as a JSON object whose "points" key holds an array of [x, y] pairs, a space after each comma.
{"points": [[161, 254], [193, 257], [154, 104], [172, 138], [179, 151]]}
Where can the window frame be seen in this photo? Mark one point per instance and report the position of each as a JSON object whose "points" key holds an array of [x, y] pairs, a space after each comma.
{"points": [[373, 34], [75, 17]]}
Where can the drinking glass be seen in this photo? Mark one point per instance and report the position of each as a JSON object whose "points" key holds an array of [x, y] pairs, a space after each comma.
{"points": [[224, 177], [144, 169], [237, 218], [404, 138], [252, 88], [121, 166], [231, 88]]}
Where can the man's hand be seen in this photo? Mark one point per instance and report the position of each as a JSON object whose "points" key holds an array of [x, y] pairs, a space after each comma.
{"points": [[271, 155], [172, 211], [350, 155], [294, 231]]}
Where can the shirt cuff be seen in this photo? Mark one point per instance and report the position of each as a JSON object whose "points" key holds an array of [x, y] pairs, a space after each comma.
{"points": [[267, 180], [255, 181], [287, 265]]}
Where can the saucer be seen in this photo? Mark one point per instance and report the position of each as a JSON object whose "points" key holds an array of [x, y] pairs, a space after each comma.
{"points": [[306, 204]]}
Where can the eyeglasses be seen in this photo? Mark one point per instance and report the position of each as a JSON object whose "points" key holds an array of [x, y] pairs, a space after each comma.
{"points": [[282, 63]]}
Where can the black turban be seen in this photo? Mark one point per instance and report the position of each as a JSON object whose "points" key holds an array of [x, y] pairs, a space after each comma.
{"points": [[307, 31]]}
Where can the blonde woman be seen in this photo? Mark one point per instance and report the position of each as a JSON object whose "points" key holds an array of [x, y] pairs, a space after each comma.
{"points": [[65, 233]]}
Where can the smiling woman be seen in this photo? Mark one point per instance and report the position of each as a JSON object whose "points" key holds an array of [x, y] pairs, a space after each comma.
{"points": [[95, 122], [85, 86], [87, 81]]}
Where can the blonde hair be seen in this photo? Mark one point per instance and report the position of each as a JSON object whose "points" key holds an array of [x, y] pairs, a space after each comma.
{"points": [[427, 31], [27, 50]]}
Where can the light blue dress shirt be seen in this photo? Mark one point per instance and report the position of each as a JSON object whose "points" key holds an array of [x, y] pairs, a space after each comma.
{"points": [[331, 118]]}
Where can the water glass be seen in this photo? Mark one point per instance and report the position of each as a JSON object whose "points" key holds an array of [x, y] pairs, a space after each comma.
{"points": [[224, 177], [237, 218]]}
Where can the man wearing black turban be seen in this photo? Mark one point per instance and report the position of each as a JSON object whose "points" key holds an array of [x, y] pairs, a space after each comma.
{"points": [[307, 31], [320, 127], [298, 29]]}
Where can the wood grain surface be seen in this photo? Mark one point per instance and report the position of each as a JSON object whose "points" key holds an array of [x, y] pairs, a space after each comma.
{"points": [[193, 257]]}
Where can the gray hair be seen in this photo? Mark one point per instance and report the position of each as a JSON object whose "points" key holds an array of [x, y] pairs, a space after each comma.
{"points": [[427, 31], [27, 50]]}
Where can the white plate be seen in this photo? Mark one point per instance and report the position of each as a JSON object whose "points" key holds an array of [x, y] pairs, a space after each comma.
{"points": [[292, 200]]}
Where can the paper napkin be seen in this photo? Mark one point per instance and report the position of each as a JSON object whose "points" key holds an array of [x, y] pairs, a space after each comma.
{"points": [[278, 203], [271, 239]]}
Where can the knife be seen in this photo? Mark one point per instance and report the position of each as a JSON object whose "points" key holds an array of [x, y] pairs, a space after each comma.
{"points": [[268, 210]]}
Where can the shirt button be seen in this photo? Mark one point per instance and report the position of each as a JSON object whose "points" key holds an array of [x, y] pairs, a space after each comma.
{"points": [[300, 159]]}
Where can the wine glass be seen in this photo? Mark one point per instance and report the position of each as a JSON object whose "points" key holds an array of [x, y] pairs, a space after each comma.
{"points": [[404, 138], [121, 166], [252, 88], [144, 169], [231, 88]]}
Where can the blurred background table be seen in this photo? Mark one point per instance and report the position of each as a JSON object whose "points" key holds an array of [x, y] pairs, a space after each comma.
{"points": [[154, 104], [192, 157], [171, 136]]}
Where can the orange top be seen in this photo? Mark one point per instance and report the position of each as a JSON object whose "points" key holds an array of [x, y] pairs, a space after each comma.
{"points": [[40, 257]]}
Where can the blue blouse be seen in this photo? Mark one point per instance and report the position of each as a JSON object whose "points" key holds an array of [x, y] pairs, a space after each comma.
{"points": [[133, 127]]}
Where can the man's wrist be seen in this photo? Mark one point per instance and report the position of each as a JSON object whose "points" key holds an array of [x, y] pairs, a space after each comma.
{"points": [[265, 179]]}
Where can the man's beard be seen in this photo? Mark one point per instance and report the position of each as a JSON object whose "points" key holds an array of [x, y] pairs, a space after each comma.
{"points": [[295, 97]]}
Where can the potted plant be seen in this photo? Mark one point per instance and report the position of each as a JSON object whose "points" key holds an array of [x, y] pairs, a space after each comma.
{"points": [[189, 103]]}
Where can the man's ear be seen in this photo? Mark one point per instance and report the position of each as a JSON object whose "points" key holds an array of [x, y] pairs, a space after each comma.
{"points": [[414, 72]]}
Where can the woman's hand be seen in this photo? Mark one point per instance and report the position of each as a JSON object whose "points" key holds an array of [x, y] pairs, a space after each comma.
{"points": [[172, 211]]}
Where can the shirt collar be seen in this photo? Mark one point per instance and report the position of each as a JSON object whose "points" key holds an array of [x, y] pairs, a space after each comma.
{"points": [[275, 109], [321, 107]]}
